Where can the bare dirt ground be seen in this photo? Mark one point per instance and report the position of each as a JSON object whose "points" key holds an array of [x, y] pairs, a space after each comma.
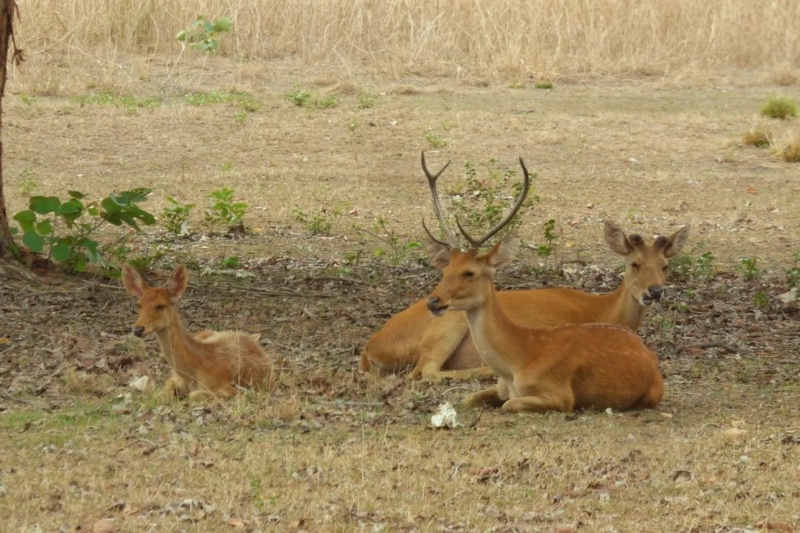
{"points": [[333, 450]]}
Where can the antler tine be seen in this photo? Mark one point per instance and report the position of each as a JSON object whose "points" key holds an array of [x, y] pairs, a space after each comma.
{"points": [[452, 240], [476, 243], [434, 239]]}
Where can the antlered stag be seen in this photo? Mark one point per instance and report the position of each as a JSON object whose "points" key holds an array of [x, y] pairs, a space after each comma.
{"points": [[557, 368], [442, 348]]}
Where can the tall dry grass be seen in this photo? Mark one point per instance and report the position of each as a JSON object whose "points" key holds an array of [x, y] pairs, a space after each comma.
{"points": [[554, 38]]}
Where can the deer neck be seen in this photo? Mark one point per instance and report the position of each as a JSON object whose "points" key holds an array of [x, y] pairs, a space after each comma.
{"points": [[494, 334], [626, 309], [177, 344]]}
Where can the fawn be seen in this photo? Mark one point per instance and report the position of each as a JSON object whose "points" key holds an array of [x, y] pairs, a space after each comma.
{"points": [[208, 363]]}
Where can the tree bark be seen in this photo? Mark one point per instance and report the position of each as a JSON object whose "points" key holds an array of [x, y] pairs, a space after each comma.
{"points": [[8, 8]]}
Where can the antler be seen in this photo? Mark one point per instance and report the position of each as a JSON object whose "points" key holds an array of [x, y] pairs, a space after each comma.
{"points": [[452, 240], [476, 243]]}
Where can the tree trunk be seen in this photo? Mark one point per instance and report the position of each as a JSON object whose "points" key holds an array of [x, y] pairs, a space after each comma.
{"points": [[7, 10]]}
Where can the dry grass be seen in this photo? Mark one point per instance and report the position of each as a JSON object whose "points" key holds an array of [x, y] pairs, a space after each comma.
{"points": [[503, 39], [758, 136], [791, 152]]}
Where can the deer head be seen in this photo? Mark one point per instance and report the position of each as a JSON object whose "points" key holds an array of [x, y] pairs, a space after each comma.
{"points": [[468, 277], [156, 304]]}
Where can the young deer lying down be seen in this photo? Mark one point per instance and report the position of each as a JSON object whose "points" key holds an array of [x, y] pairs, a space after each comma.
{"points": [[439, 348], [208, 363], [557, 368]]}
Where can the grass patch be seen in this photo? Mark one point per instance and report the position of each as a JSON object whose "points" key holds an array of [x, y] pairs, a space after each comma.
{"points": [[780, 108], [128, 102], [791, 152], [244, 100], [757, 136]]}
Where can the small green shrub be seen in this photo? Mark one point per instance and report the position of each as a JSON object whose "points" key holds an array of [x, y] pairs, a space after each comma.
{"points": [[435, 140], [550, 236], [223, 210], [390, 245], [544, 84], [64, 230], [230, 263], [749, 268], [793, 273], [781, 108], [761, 300], [366, 100], [482, 203], [697, 265], [304, 98], [322, 223], [202, 33], [175, 216]]}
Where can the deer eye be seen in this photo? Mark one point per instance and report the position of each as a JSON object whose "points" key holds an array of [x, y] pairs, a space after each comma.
{"points": [[469, 274], [635, 266], [160, 307]]}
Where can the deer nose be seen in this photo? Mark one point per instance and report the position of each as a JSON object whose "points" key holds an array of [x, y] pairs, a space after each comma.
{"points": [[138, 331], [655, 292], [433, 303]]}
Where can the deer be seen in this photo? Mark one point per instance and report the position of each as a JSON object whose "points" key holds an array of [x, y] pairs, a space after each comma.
{"points": [[436, 349], [206, 364], [539, 369]]}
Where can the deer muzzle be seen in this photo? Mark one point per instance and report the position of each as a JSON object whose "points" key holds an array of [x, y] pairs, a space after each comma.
{"points": [[435, 306]]}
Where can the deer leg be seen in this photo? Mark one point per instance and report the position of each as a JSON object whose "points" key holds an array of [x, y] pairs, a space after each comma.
{"points": [[176, 386], [440, 341], [489, 396], [538, 404]]}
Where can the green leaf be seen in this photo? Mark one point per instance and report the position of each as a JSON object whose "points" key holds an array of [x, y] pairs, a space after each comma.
{"points": [[76, 194], [45, 227], [44, 204], [71, 207], [26, 220], [60, 251], [33, 241]]}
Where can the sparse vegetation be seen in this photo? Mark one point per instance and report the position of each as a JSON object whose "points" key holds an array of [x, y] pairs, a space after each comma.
{"points": [[243, 100], [544, 84], [203, 33], [320, 223], [780, 108], [757, 136], [793, 273], [749, 268], [697, 265], [224, 211], [175, 216], [366, 100], [791, 152], [435, 140], [391, 245], [547, 249], [481, 202], [65, 231], [304, 98]]}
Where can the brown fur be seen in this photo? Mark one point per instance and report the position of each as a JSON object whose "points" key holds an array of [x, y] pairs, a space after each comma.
{"points": [[544, 369], [413, 338], [207, 363]]}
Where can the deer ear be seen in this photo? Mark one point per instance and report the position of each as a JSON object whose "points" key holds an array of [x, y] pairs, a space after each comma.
{"points": [[438, 254], [616, 239], [504, 251], [178, 281], [676, 241], [132, 281]]}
